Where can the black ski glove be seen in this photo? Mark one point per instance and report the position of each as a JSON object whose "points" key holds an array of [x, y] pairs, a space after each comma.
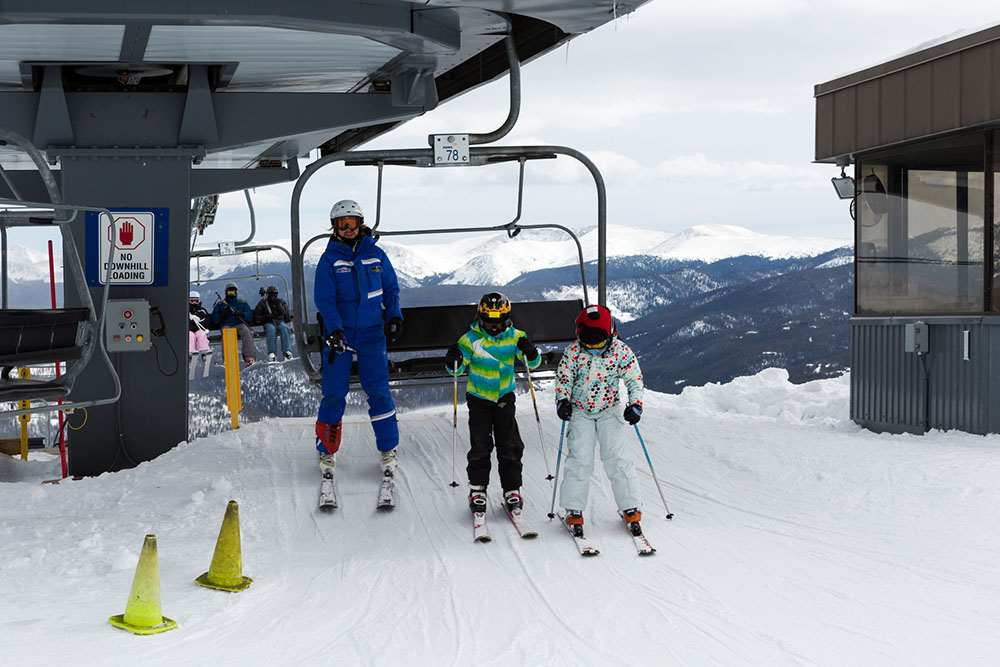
{"points": [[336, 343], [393, 329], [633, 413], [453, 358], [527, 348], [564, 409]]}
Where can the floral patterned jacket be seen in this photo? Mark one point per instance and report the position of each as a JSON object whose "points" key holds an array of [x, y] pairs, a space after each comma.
{"points": [[589, 379]]}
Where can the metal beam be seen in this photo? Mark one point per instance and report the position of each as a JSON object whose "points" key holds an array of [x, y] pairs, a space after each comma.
{"points": [[218, 181], [154, 120]]}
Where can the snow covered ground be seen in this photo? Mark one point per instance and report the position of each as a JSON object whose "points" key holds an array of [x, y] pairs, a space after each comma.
{"points": [[797, 539]]}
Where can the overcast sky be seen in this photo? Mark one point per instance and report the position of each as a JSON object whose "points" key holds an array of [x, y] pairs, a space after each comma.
{"points": [[695, 112]]}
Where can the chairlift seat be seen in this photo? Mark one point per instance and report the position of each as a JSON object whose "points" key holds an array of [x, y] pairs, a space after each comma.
{"points": [[29, 336], [427, 329], [16, 389]]}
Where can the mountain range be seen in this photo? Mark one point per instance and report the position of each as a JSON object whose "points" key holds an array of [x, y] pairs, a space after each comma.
{"points": [[702, 305]]}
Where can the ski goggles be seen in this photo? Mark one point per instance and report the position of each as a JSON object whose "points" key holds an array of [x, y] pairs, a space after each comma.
{"points": [[595, 346], [194, 301], [347, 222]]}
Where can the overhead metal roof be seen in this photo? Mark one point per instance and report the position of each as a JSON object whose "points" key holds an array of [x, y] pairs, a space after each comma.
{"points": [[926, 93], [420, 53]]}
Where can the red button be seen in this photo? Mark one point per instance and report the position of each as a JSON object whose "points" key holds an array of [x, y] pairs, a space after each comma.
{"points": [[127, 314]]}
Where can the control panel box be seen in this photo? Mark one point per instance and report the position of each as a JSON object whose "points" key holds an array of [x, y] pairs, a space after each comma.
{"points": [[916, 338], [126, 325]]}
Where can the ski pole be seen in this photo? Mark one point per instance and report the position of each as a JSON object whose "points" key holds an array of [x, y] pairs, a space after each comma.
{"points": [[552, 510], [454, 430], [538, 421], [670, 515]]}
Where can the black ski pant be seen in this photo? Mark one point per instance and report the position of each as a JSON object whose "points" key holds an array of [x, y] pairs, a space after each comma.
{"points": [[491, 423]]}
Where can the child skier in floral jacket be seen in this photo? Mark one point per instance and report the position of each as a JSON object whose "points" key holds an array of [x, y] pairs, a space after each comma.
{"points": [[587, 397], [489, 349]]}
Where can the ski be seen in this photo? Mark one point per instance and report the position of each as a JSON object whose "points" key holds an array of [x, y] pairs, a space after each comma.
{"points": [[386, 492], [581, 542], [206, 360], [480, 533], [192, 365], [642, 545], [328, 492], [516, 517]]}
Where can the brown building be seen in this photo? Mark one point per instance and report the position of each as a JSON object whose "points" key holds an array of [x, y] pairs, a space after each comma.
{"points": [[921, 131]]}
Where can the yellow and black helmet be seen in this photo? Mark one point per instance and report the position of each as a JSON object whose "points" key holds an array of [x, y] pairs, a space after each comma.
{"points": [[494, 308]]}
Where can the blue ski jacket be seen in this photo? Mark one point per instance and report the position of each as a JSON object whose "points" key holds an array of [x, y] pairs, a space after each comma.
{"points": [[355, 289], [229, 313]]}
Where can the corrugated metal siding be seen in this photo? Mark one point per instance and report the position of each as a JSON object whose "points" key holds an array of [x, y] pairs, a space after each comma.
{"points": [[888, 388], [957, 393], [886, 383]]}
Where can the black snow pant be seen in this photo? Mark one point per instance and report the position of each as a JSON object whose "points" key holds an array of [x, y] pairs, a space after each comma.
{"points": [[491, 422]]}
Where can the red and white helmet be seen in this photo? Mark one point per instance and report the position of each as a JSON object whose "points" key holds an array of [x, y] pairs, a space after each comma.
{"points": [[595, 327]]}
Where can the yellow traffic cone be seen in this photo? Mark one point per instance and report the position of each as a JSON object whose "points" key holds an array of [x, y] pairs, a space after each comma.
{"points": [[142, 612], [226, 571]]}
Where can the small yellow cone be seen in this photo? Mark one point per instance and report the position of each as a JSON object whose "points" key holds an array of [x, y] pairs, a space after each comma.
{"points": [[142, 612], [226, 571]]}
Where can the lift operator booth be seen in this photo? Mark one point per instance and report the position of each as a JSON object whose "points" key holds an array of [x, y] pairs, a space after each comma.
{"points": [[923, 134], [139, 109]]}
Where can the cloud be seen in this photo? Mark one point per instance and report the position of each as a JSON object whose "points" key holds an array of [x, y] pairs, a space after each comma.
{"points": [[746, 176]]}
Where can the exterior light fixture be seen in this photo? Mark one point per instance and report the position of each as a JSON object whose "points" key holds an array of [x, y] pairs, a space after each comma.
{"points": [[843, 184]]}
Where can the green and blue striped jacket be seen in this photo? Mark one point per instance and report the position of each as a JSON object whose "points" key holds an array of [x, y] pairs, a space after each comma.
{"points": [[490, 360]]}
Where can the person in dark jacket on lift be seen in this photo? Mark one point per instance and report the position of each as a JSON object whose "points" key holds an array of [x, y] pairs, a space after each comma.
{"points": [[233, 312], [358, 299], [273, 313]]}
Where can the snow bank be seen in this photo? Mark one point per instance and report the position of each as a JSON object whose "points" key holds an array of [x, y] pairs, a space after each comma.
{"points": [[770, 394]]}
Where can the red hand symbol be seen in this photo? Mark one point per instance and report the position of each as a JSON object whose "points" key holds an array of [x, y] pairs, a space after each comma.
{"points": [[125, 233]]}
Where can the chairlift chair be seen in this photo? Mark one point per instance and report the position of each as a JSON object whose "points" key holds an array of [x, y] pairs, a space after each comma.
{"points": [[41, 336]]}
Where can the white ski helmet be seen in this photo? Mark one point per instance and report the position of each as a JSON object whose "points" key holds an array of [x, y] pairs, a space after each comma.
{"points": [[194, 295], [346, 207]]}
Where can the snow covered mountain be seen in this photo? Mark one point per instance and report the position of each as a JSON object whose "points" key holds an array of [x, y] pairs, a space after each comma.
{"points": [[494, 259], [797, 539]]}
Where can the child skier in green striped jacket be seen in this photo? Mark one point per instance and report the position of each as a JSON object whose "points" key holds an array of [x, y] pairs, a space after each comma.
{"points": [[489, 349]]}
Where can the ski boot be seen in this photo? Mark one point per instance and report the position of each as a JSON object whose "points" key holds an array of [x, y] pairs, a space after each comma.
{"points": [[327, 461], [574, 519], [632, 517], [288, 355], [513, 500], [387, 460], [272, 357], [477, 498]]}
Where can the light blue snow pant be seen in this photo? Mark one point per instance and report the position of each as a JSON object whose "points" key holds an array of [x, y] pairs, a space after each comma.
{"points": [[373, 372], [582, 434], [272, 337]]}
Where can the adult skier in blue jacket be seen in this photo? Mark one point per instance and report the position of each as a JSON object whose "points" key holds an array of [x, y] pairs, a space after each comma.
{"points": [[358, 298]]}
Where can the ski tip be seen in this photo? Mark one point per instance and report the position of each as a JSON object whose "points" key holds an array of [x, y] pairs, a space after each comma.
{"points": [[327, 509], [647, 553], [592, 552], [484, 538], [529, 536], [385, 509]]}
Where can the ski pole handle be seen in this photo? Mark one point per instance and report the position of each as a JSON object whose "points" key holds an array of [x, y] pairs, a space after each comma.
{"points": [[670, 515], [555, 485]]}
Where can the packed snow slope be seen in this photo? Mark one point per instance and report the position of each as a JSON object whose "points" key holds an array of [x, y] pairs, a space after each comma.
{"points": [[797, 539]]}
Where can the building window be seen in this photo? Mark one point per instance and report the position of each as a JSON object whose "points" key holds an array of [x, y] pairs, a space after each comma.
{"points": [[920, 229]]}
